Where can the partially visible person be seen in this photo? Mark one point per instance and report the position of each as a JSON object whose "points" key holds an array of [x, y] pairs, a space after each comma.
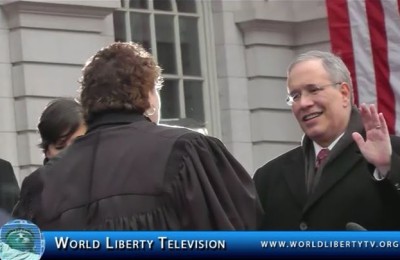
{"points": [[9, 188], [5, 216], [129, 173], [347, 169], [60, 123]]}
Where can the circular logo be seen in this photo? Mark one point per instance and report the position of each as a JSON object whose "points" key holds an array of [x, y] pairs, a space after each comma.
{"points": [[21, 239]]}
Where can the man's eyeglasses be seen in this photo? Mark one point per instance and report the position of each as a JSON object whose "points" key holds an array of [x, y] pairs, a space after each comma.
{"points": [[310, 90]]}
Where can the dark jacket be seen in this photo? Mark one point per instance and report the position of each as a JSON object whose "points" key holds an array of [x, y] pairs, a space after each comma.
{"points": [[9, 188], [127, 173], [346, 192]]}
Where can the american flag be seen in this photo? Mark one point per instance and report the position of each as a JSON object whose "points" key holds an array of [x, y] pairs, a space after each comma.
{"points": [[366, 34]]}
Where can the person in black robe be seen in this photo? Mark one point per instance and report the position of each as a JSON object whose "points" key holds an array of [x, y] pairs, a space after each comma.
{"points": [[130, 173], [60, 123]]}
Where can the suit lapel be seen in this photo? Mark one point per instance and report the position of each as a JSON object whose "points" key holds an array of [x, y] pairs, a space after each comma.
{"points": [[336, 168], [294, 174], [340, 162]]}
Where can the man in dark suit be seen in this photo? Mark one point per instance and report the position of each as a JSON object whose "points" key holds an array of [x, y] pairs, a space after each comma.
{"points": [[347, 168], [9, 188]]}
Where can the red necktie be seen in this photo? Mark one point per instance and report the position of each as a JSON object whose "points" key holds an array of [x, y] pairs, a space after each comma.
{"points": [[322, 155]]}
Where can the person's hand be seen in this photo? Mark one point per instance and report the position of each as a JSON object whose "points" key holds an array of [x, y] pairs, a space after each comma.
{"points": [[376, 149]]}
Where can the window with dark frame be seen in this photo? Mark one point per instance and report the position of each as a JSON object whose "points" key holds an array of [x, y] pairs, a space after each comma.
{"points": [[169, 29]]}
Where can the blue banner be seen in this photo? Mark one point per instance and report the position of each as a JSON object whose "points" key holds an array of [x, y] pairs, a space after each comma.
{"points": [[186, 244]]}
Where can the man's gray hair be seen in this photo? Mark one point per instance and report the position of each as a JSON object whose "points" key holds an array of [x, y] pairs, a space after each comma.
{"points": [[333, 64]]}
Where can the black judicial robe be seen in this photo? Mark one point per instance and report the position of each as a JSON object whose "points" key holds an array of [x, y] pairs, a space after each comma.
{"points": [[128, 173]]}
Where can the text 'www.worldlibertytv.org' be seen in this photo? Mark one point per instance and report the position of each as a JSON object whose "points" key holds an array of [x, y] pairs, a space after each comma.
{"points": [[329, 244]]}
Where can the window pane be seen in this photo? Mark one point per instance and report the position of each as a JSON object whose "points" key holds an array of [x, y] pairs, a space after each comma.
{"points": [[119, 26], [189, 46], [141, 4], [140, 29], [187, 6], [175, 29], [194, 100], [170, 99], [166, 43], [162, 5]]}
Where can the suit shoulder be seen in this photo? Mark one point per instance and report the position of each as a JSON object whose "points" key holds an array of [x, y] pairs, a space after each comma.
{"points": [[33, 175], [4, 163], [176, 132], [395, 140], [278, 161]]}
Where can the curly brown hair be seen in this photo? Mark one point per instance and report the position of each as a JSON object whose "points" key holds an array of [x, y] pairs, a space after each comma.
{"points": [[118, 77]]}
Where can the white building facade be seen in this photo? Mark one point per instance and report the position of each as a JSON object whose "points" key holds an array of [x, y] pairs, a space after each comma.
{"points": [[224, 64]]}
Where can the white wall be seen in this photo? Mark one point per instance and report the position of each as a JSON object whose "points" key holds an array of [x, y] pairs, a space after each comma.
{"points": [[8, 135], [257, 41], [46, 44], [232, 81]]}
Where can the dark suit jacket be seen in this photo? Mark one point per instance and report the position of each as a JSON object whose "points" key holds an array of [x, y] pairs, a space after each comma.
{"points": [[347, 192], [9, 188]]}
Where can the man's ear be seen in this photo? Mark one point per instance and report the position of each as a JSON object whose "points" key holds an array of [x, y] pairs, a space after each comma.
{"points": [[346, 93]]}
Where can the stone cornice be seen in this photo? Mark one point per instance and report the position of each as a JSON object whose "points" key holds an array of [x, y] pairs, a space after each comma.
{"points": [[73, 8], [58, 15]]}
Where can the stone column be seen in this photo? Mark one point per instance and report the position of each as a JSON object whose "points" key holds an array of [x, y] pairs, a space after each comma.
{"points": [[49, 41]]}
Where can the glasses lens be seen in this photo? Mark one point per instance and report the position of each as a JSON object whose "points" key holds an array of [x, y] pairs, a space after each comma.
{"points": [[289, 100]]}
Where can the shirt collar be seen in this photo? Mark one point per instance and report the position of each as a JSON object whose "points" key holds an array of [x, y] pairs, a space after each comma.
{"points": [[318, 148]]}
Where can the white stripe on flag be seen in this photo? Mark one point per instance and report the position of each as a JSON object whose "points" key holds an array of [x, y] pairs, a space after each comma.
{"points": [[392, 25], [364, 66]]}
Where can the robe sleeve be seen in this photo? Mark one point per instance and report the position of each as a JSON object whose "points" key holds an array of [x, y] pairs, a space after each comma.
{"points": [[213, 188], [29, 196]]}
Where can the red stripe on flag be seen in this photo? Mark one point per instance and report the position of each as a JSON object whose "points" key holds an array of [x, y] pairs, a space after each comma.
{"points": [[398, 5], [340, 34], [377, 30]]}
